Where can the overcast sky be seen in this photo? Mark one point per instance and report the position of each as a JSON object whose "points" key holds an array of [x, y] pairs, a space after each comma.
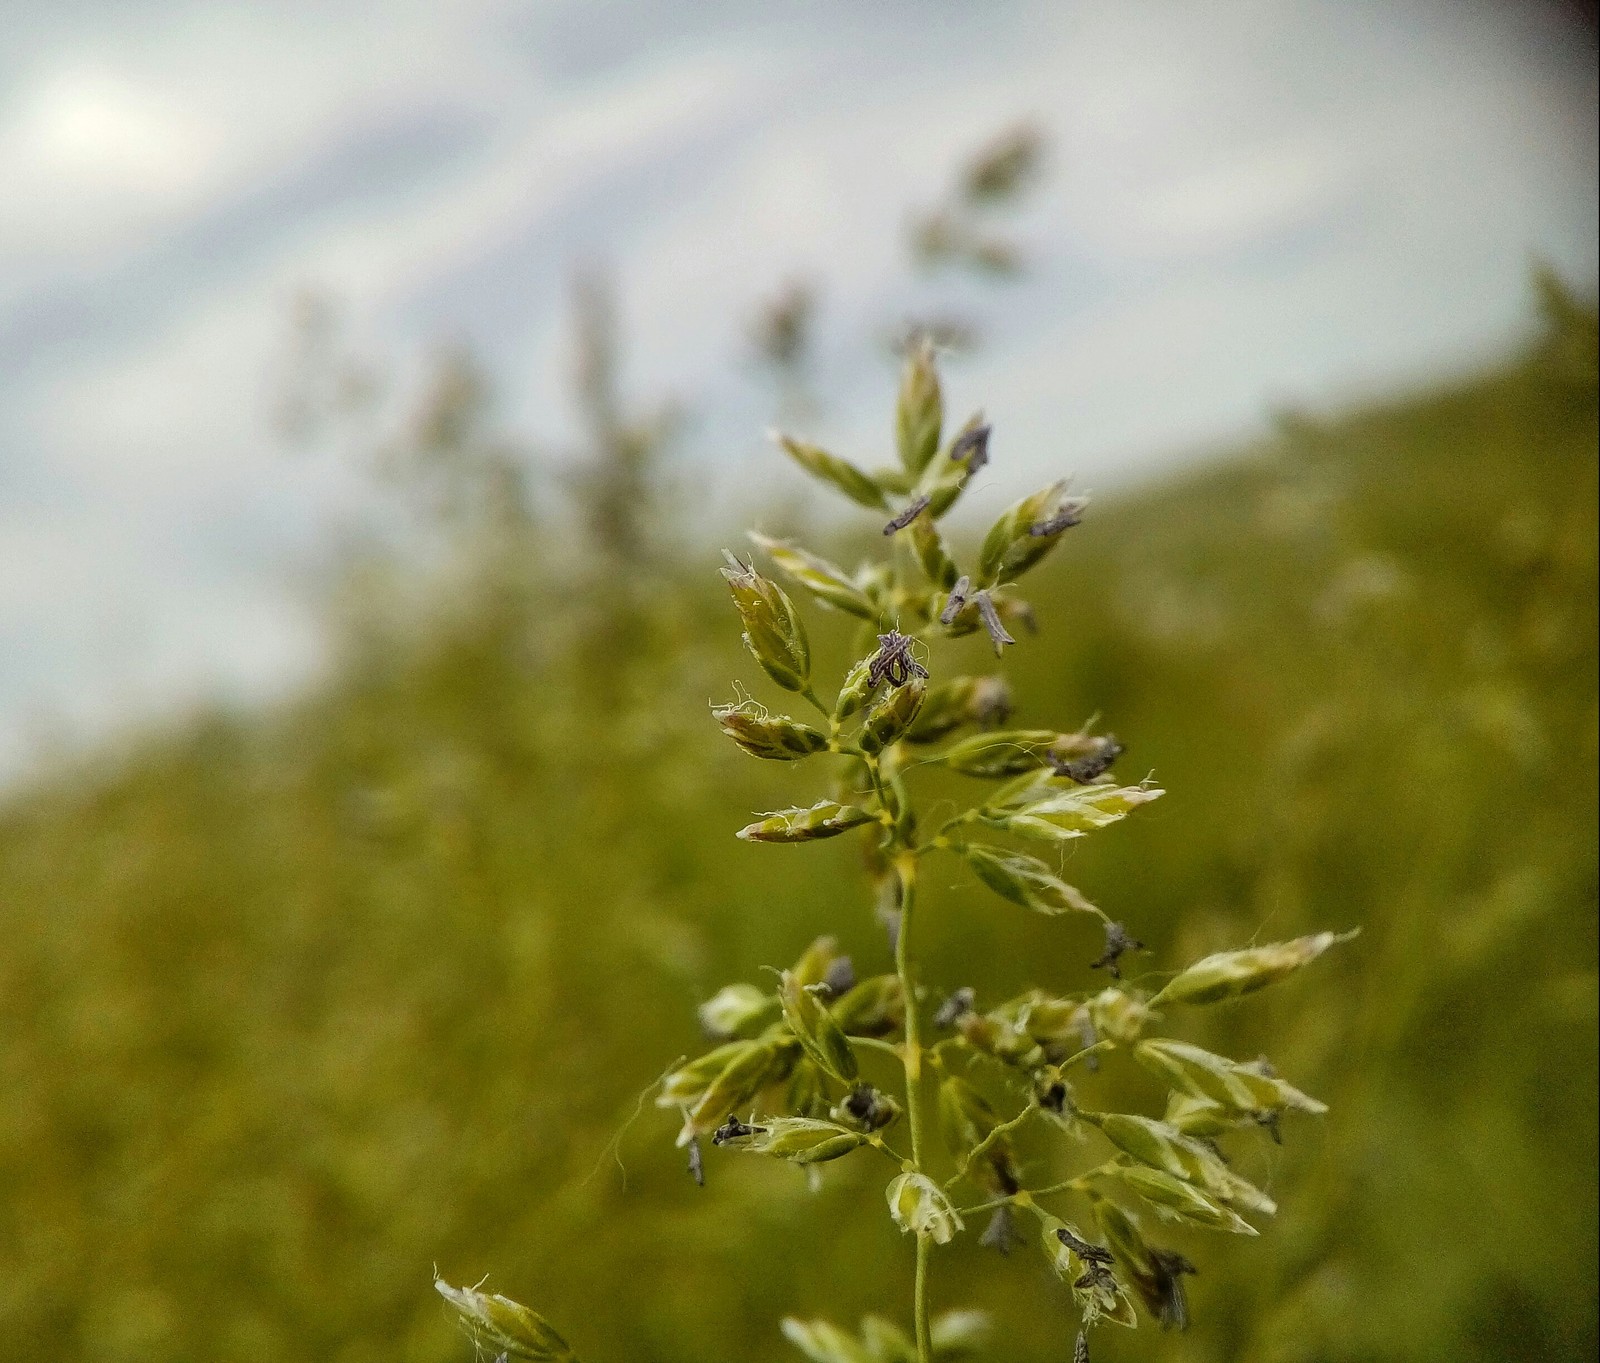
{"points": [[1249, 204]]}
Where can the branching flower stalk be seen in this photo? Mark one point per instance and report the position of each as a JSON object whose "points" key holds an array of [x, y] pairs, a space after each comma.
{"points": [[785, 1078]]}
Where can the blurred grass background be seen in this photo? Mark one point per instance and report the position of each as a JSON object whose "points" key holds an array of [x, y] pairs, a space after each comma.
{"points": [[296, 1006]]}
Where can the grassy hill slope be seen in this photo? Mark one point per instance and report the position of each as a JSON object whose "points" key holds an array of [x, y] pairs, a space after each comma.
{"points": [[294, 1008]]}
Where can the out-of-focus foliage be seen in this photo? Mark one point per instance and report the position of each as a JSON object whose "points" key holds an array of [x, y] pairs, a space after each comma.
{"points": [[296, 1008], [960, 232], [782, 336], [967, 231]]}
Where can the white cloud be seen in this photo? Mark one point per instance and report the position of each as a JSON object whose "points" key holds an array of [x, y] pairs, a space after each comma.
{"points": [[88, 158], [110, 134], [89, 130], [1249, 202]]}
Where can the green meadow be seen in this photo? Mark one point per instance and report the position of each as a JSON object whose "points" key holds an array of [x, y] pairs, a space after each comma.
{"points": [[299, 1006]]}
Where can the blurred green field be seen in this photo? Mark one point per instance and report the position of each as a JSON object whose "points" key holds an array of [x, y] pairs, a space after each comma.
{"points": [[295, 1007]]}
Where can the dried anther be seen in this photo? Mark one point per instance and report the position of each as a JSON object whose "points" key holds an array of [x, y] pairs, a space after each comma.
{"points": [[1167, 1268], [1084, 770], [1001, 1232], [1096, 1277], [1269, 1121], [697, 1168], [860, 1101], [912, 511], [840, 977], [1054, 1098], [957, 1006], [991, 621], [1118, 943], [733, 1129], [893, 661], [869, 1107], [1080, 1350], [1090, 1254], [972, 448], [958, 600], [1069, 514]]}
